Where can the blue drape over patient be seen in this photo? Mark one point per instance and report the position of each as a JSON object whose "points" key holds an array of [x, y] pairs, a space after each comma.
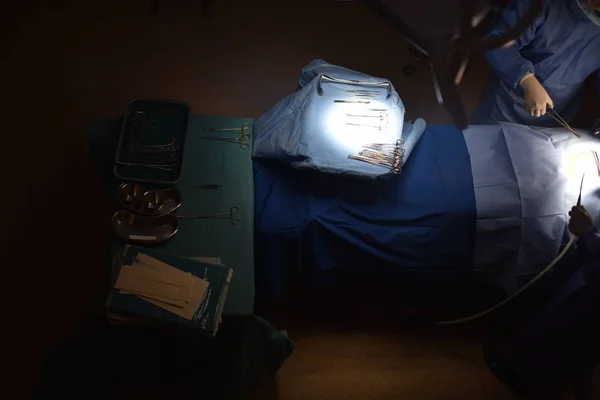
{"points": [[488, 203], [422, 220]]}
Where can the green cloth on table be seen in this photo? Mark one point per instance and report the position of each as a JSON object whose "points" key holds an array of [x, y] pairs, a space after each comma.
{"points": [[206, 162]]}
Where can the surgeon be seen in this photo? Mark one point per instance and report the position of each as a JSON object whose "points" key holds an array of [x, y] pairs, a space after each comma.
{"points": [[545, 67], [561, 344]]}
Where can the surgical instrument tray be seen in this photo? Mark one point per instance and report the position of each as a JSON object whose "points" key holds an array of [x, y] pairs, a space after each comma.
{"points": [[152, 142]]}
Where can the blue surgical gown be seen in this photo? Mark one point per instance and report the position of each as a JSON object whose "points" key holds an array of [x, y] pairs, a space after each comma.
{"points": [[561, 47]]}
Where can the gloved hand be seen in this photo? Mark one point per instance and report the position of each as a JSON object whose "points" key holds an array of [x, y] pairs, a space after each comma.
{"points": [[581, 221], [536, 97]]}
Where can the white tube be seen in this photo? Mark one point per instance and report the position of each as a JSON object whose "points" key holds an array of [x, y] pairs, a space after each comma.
{"points": [[518, 292]]}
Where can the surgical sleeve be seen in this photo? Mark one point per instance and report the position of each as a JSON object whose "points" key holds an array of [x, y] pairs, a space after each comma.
{"points": [[507, 62], [591, 240]]}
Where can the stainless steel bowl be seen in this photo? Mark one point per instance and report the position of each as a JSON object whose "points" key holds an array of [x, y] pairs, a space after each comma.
{"points": [[144, 229], [138, 199]]}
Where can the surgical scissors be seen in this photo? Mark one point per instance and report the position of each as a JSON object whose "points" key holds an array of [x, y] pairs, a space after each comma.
{"points": [[240, 141], [231, 216], [561, 121]]}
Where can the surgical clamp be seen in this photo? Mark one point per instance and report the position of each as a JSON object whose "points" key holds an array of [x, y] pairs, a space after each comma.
{"points": [[246, 126], [381, 115], [385, 146], [241, 141], [396, 167], [378, 127]]}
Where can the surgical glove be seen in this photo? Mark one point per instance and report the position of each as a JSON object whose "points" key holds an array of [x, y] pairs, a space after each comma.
{"points": [[536, 98], [581, 221]]}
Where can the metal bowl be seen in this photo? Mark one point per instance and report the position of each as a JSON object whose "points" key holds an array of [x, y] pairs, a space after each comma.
{"points": [[159, 202], [138, 199], [130, 195], [144, 229]]}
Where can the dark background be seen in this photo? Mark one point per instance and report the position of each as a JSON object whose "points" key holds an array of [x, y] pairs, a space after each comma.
{"points": [[65, 62]]}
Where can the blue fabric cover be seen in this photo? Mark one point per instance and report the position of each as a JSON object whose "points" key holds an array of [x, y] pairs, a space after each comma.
{"points": [[520, 200], [310, 131], [508, 180], [422, 220], [561, 48], [523, 194]]}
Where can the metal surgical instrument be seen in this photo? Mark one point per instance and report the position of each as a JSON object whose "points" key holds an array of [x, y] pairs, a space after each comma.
{"points": [[352, 101], [231, 216], [164, 167], [561, 121], [246, 126], [381, 115], [241, 141]]}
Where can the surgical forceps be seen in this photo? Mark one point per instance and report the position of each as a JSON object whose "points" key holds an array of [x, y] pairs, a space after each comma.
{"points": [[242, 130], [390, 156], [385, 146], [170, 147], [378, 156], [240, 141], [396, 167], [383, 154], [231, 216], [561, 121], [382, 115], [156, 154], [352, 101], [376, 85], [163, 167], [378, 127], [367, 94]]}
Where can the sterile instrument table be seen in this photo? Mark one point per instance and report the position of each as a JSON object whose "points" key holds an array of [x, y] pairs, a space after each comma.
{"points": [[217, 175]]}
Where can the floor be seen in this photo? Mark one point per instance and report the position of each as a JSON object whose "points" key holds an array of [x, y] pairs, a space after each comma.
{"points": [[370, 346], [65, 62]]}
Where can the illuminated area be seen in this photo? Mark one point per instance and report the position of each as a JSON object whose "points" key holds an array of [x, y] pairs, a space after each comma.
{"points": [[351, 126], [580, 163], [579, 160]]}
